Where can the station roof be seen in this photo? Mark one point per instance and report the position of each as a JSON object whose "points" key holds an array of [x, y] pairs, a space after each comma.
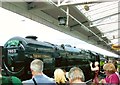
{"points": [[93, 21], [104, 16]]}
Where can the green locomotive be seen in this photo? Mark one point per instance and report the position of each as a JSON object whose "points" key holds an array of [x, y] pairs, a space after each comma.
{"points": [[19, 52]]}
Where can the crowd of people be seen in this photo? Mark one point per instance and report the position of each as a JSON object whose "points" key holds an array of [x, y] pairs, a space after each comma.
{"points": [[110, 71], [74, 76]]}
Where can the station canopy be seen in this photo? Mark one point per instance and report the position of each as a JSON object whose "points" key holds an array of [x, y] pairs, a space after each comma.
{"points": [[93, 21], [105, 16]]}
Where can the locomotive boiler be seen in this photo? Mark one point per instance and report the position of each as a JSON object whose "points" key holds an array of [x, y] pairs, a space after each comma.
{"points": [[19, 52]]}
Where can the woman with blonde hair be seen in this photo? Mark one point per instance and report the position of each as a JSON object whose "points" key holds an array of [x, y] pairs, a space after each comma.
{"points": [[111, 77], [59, 77]]}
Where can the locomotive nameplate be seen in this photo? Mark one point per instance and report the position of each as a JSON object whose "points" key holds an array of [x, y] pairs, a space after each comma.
{"points": [[40, 56]]}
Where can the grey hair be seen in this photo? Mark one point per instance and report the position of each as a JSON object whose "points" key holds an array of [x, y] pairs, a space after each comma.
{"points": [[76, 73], [36, 65]]}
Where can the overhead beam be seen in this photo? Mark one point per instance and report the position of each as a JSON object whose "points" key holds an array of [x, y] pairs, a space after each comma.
{"points": [[78, 24], [78, 3]]}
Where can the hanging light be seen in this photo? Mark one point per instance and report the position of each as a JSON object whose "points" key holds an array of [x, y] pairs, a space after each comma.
{"points": [[62, 20], [86, 7]]}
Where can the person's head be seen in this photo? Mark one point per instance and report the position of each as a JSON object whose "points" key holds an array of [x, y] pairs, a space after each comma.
{"points": [[109, 68], [59, 76], [96, 63], [76, 73], [36, 66]]}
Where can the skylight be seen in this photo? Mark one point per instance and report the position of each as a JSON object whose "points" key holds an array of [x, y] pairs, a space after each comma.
{"points": [[104, 16]]}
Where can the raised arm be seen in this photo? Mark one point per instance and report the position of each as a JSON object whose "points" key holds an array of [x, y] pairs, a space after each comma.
{"points": [[95, 68]]}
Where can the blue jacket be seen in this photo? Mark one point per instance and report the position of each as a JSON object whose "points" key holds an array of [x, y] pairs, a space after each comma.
{"points": [[40, 80]]}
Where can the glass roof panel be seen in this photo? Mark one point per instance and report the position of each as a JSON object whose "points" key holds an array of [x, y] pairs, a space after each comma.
{"points": [[104, 16]]}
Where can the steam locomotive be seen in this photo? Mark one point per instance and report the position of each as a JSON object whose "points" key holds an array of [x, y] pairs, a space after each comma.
{"points": [[19, 52]]}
